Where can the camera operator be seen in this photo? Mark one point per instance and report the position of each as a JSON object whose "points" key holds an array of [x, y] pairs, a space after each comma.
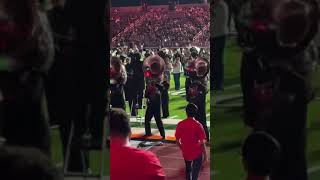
{"points": [[118, 78], [275, 74]]}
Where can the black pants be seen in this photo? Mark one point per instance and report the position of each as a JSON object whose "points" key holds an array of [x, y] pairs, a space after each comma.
{"points": [[193, 168], [140, 97], [218, 67], [187, 85], [153, 110], [165, 103], [201, 115], [118, 101], [132, 99]]}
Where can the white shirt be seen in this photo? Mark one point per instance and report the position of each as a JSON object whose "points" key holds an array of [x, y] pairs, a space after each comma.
{"points": [[177, 68]]}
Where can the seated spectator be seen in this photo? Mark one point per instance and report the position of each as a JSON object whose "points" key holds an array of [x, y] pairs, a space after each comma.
{"points": [[260, 153], [19, 163], [191, 139], [126, 162]]}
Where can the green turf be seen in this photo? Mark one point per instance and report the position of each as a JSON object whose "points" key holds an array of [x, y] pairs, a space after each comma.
{"points": [[177, 103], [95, 156], [229, 131]]}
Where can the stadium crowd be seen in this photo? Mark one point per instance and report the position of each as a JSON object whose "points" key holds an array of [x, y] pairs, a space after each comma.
{"points": [[165, 28], [119, 20]]}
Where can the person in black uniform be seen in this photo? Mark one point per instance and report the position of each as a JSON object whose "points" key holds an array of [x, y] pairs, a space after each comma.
{"points": [[139, 78], [154, 75], [165, 85], [197, 92], [194, 55], [118, 78], [135, 85], [275, 75]]}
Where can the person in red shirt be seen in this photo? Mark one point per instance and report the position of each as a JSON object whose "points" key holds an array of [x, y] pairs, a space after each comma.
{"points": [[261, 155], [191, 139], [127, 163]]}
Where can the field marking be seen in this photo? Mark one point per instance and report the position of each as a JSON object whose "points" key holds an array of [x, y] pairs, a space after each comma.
{"points": [[172, 117], [313, 169], [60, 164], [214, 172], [181, 89]]}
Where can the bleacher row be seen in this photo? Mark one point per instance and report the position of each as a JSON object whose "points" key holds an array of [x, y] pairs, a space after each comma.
{"points": [[161, 27]]}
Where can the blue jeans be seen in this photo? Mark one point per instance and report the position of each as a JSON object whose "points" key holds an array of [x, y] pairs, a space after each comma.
{"points": [[193, 168], [176, 78]]}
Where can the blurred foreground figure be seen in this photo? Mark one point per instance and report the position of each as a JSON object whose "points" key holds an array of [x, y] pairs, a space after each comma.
{"points": [[275, 75], [18, 163], [26, 51], [260, 155], [126, 162]]}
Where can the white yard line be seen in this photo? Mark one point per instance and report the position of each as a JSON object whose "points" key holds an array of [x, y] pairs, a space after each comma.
{"points": [[172, 117], [313, 169], [59, 165]]}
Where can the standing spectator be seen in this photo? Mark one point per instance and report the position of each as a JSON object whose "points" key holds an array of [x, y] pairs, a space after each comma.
{"points": [[191, 139], [219, 31], [177, 70], [127, 162]]}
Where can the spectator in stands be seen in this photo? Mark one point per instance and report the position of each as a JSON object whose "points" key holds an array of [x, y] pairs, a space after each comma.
{"points": [[161, 27], [18, 163], [261, 154], [126, 162], [191, 139], [219, 31]]}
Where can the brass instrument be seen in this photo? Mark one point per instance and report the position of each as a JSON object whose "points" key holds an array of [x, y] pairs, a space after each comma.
{"points": [[153, 68], [198, 71]]}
